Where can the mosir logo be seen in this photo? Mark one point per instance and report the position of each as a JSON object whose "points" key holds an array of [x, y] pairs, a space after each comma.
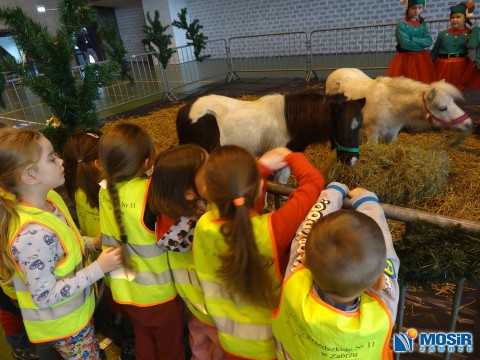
{"points": [[433, 342]]}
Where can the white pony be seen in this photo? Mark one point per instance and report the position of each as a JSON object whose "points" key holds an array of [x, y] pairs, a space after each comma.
{"points": [[392, 103]]}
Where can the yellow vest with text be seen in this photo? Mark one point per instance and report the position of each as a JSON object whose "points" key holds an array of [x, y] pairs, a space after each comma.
{"points": [[306, 327], [149, 282], [243, 329], [88, 217], [73, 314]]}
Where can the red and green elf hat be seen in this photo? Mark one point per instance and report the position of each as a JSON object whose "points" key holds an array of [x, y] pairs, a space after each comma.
{"points": [[465, 8], [409, 3]]}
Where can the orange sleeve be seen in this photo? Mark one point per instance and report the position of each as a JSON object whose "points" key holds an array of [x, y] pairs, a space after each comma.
{"points": [[285, 221]]}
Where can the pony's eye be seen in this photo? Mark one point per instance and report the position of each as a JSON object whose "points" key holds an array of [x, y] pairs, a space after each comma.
{"points": [[443, 109]]}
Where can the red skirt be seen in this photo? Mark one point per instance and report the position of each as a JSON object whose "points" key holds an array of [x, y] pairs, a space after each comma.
{"points": [[416, 65], [471, 76], [452, 70]]}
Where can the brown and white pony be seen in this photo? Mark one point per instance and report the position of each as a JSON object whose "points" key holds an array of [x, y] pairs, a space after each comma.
{"points": [[292, 120], [392, 103]]}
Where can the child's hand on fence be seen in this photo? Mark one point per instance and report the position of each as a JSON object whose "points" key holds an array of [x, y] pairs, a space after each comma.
{"points": [[110, 259], [275, 159]]}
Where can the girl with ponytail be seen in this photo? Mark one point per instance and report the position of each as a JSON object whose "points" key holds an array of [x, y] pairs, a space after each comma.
{"points": [[143, 287], [240, 255]]}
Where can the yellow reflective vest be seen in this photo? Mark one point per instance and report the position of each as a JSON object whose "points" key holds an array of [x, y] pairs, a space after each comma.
{"points": [[150, 281], [306, 327], [88, 217], [188, 285], [73, 314], [243, 329]]}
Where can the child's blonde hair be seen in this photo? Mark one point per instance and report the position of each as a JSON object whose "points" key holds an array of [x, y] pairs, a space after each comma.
{"points": [[173, 174], [124, 152], [19, 151], [233, 184], [345, 252]]}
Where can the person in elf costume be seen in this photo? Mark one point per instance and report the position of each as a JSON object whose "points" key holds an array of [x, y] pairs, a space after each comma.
{"points": [[450, 52], [413, 40]]}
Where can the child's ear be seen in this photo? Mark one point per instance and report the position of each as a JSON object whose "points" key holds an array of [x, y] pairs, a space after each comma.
{"points": [[29, 177], [190, 195], [98, 165], [147, 168], [379, 284]]}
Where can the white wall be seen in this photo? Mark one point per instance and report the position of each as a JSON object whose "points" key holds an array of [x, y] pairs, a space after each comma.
{"points": [[227, 18]]}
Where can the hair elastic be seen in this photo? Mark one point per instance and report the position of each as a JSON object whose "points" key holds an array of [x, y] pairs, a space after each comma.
{"points": [[92, 135], [239, 201], [79, 160]]}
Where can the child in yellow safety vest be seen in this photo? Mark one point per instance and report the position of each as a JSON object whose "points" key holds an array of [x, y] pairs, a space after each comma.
{"points": [[340, 296], [238, 252], [42, 252], [83, 174], [143, 288], [177, 199], [80, 155]]}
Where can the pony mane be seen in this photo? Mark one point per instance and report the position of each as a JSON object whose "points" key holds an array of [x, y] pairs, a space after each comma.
{"points": [[449, 89], [308, 114], [402, 85]]}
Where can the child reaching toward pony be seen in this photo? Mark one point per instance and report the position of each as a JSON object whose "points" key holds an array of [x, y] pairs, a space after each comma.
{"points": [[143, 287], [177, 196], [450, 52], [42, 251], [341, 289], [237, 252], [413, 40]]}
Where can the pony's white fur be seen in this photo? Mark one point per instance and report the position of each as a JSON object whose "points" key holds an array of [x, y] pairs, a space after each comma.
{"points": [[392, 103], [237, 118]]}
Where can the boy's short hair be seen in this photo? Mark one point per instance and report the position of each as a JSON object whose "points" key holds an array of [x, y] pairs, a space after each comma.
{"points": [[345, 252]]}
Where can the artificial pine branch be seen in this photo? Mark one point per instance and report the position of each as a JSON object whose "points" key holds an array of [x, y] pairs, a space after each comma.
{"points": [[430, 254], [155, 33], [72, 101], [193, 33], [114, 47]]}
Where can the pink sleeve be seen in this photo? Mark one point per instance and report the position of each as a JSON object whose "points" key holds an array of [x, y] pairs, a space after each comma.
{"points": [[286, 220]]}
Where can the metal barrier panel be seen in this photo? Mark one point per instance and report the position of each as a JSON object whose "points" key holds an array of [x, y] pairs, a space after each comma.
{"points": [[146, 81], [363, 47], [23, 107], [269, 52], [183, 69]]}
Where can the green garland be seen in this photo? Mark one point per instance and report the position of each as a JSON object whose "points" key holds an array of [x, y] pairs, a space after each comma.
{"points": [[430, 254]]}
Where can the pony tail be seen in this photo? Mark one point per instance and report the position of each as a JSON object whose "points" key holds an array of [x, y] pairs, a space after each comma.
{"points": [[8, 218], [243, 268], [112, 190]]}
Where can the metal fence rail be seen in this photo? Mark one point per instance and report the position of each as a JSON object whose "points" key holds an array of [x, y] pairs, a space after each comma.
{"points": [[184, 70], [269, 53]]}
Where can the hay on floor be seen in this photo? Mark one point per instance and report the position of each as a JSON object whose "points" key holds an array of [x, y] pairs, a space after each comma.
{"points": [[399, 174]]}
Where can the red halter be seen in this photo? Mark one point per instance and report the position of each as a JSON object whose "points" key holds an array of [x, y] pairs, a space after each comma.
{"points": [[431, 116]]}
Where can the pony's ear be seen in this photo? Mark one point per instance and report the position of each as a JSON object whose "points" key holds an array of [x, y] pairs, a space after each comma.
{"points": [[432, 94], [361, 102]]}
